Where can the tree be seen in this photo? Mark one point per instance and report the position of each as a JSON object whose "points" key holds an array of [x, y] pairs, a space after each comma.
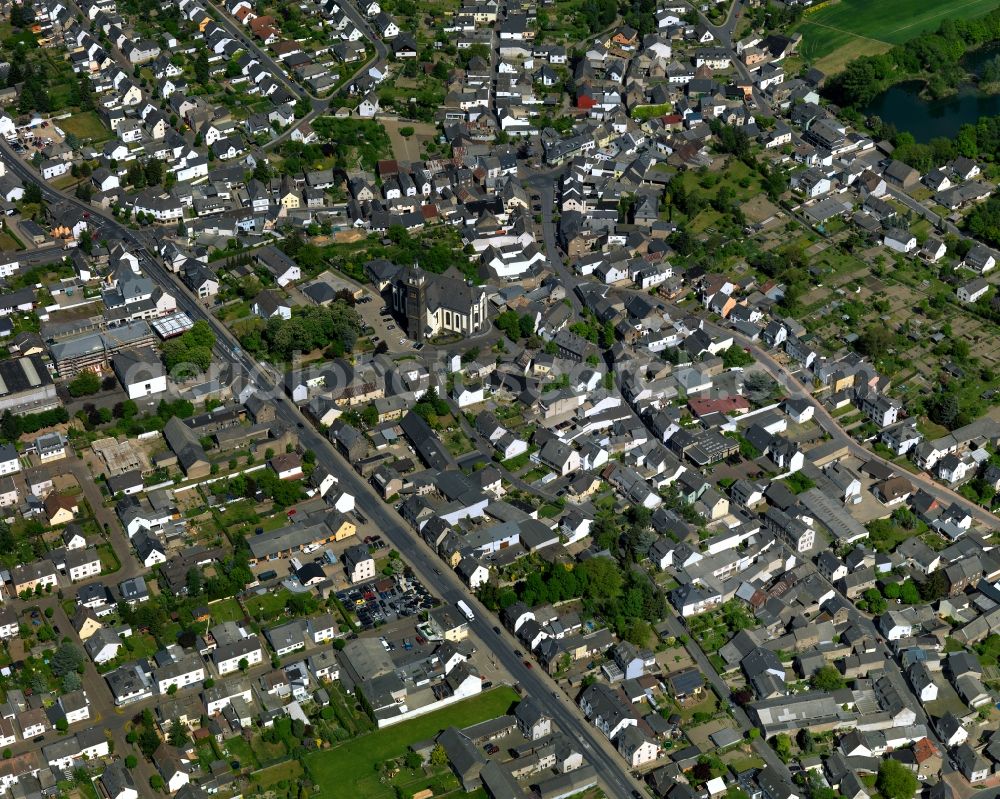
{"points": [[827, 678], [909, 593], [876, 602], [758, 383], [748, 450], [84, 384], [194, 582], [895, 781], [905, 518], [943, 409], [244, 665], [369, 415], [934, 587], [33, 194], [61, 724], [155, 780], [178, 735], [782, 746], [65, 659], [71, 682], [153, 169], [439, 757], [736, 357], [201, 67], [876, 341], [131, 761], [413, 760]]}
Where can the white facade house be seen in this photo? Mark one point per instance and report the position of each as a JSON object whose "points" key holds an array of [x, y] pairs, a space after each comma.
{"points": [[973, 290], [83, 563], [10, 461], [227, 657], [900, 240], [185, 670], [55, 168], [75, 706]]}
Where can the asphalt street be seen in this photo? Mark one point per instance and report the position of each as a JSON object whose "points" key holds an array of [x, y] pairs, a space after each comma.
{"points": [[796, 389], [427, 566], [763, 750]]}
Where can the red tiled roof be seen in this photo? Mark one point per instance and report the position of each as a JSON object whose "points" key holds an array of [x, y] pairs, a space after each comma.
{"points": [[701, 407]]}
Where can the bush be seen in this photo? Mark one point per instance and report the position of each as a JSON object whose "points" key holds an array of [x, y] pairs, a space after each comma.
{"points": [[83, 384], [406, 132], [895, 781]]}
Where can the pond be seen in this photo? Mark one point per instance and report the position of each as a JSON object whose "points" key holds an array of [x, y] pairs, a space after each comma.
{"points": [[927, 119]]}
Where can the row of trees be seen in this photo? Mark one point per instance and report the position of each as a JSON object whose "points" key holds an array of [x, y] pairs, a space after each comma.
{"points": [[935, 56], [13, 427], [984, 221]]}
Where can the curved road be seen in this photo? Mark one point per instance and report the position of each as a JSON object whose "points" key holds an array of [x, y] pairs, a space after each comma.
{"points": [[797, 389], [320, 105]]}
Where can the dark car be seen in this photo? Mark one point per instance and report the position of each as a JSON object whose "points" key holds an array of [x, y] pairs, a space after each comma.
{"points": [[527, 664], [518, 653], [496, 630]]}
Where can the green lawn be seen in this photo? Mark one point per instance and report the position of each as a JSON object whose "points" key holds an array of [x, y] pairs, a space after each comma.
{"points": [[355, 761], [239, 749], [266, 752], [644, 112], [8, 243], [226, 610], [109, 559], [851, 23], [86, 125], [267, 606], [280, 779]]}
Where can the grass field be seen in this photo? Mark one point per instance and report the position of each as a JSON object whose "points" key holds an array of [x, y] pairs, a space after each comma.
{"points": [[835, 33], [226, 610], [8, 243], [355, 761], [86, 126]]}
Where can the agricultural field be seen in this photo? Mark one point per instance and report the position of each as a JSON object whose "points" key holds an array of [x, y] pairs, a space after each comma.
{"points": [[839, 31]]}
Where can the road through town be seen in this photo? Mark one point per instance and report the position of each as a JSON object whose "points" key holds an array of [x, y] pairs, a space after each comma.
{"points": [[610, 766]]}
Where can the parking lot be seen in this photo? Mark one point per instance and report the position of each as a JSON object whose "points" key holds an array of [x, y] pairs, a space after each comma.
{"points": [[386, 600], [380, 324], [30, 138]]}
